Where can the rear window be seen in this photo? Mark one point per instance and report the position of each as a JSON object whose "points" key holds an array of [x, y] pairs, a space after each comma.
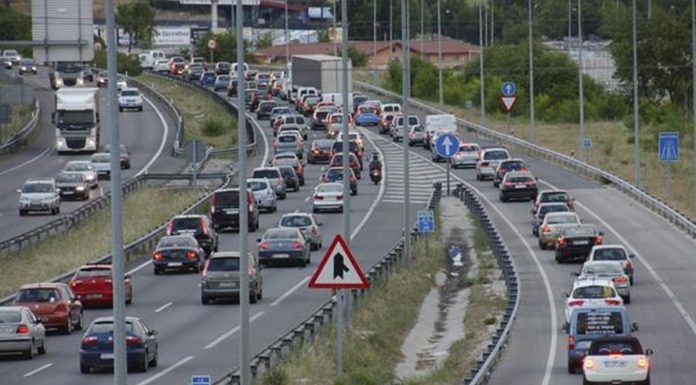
{"points": [[228, 198], [107, 327], [554, 219], [605, 348], [69, 178], [288, 172], [177, 242], [38, 295], [604, 268], [224, 264], [330, 188], [412, 120], [257, 185], [287, 139], [599, 323], [94, 272], [584, 231], [594, 292], [495, 155], [609, 255], [280, 234], [543, 210], [321, 114], [554, 197], [519, 179], [323, 144], [179, 224], [10, 316], [267, 173], [130, 93], [296, 221], [338, 146]]}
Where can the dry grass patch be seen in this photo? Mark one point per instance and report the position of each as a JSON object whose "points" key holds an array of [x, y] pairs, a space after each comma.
{"points": [[143, 211]]}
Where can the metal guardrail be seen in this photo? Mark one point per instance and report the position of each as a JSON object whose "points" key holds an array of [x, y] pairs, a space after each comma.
{"points": [[657, 205], [21, 136], [307, 330]]}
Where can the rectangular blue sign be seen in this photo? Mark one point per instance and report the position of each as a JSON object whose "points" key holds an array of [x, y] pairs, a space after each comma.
{"points": [[668, 146], [201, 380]]}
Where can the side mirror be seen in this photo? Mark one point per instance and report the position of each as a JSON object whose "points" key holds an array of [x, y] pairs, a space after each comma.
{"points": [[575, 274], [649, 352], [38, 321], [565, 327], [320, 224], [258, 240], [631, 255], [634, 327], [601, 233], [153, 332], [127, 277]]}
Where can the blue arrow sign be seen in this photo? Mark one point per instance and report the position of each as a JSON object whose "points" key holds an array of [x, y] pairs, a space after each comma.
{"points": [[668, 146], [201, 380], [509, 89], [587, 143], [447, 145]]}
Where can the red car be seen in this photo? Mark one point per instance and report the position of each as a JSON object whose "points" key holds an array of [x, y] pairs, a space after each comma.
{"points": [[54, 304], [353, 163], [93, 285]]}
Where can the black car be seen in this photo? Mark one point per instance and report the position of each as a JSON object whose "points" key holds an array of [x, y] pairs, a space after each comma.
{"points": [[265, 108], [292, 181], [518, 185], [223, 68], [508, 166], [178, 252], [224, 209], [576, 242], [73, 185], [198, 226]]}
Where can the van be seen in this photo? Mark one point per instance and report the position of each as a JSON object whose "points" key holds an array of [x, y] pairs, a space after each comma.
{"points": [[438, 123], [148, 59], [220, 277], [337, 99], [224, 209], [588, 324]]}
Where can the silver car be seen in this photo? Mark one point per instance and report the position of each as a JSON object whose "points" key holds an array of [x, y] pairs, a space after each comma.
{"points": [[489, 161], [264, 195], [551, 227], [220, 278], [609, 270], [466, 156], [39, 194], [21, 332], [86, 168], [101, 162], [416, 136], [308, 225], [274, 176]]}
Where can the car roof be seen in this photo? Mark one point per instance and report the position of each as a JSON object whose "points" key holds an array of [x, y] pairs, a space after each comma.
{"points": [[593, 263], [266, 168], [40, 180], [96, 265], [614, 338], [543, 192], [609, 246], [562, 213], [258, 180], [518, 173], [593, 282], [38, 285], [111, 319], [302, 214], [549, 204], [513, 160], [192, 215], [495, 149], [129, 89]]}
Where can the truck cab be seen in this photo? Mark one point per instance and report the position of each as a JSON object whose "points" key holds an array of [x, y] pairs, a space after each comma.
{"points": [[76, 120], [66, 74]]}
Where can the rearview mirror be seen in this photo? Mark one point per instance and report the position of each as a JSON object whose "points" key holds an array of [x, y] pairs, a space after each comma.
{"points": [[649, 352], [19, 190], [565, 327], [634, 327], [153, 332]]}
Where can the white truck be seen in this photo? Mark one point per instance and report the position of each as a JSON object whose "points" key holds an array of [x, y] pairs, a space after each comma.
{"points": [[148, 59], [66, 74], [322, 72], [76, 120], [438, 123]]}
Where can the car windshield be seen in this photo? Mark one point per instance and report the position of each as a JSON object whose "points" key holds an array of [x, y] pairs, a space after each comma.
{"points": [[613, 254], [517, 165], [130, 93], [338, 146], [224, 264], [287, 139], [605, 348], [37, 188], [287, 172], [100, 158], [107, 327], [324, 144], [602, 269], [495, 155], [223, 78], [94, 272], [10, 316], [257, 185], [544, 209], [266, 173], [280, 234], [69, 178], [600, 323], [78, 167], [559, 219], [177, 242], [334, 188], [335, 174], [281, 110], [594, 292], [296, 221], [38, 295], [27, 62], [554, 197], [336, 118], [188, 223], [581, 231]]}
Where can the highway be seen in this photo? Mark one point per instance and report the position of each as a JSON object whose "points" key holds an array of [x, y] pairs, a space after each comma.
{"points": [[148, 136]]}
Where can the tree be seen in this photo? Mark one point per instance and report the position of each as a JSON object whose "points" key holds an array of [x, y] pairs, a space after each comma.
{"points": [[137, 19], [357, 58], [226, 47], [264, 41], [15, 26]]}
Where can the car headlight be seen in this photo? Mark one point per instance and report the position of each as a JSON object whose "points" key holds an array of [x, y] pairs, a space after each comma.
{"points": [[80, 188], [59, 82], [23, 68], [80, 81], [60, 143], [91, 143], [33, 69]]}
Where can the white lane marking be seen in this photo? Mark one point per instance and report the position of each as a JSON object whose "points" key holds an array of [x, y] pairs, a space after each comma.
{"points": [[162, 143], [289, 292], [670, 294], [231, 332], [34, 159], [139, 267], [38, 370], [166, 305], [166, 371], [382, 186]]}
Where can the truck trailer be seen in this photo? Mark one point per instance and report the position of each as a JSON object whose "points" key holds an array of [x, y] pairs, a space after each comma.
{"points": [[322, 72], [76, 120]]}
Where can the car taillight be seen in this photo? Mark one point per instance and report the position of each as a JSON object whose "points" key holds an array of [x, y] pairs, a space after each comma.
{"points": [[22, 329], [643, 362], [546, 229], [298, 169], [191, 255], [339, 197], [620, 280], [158, 256], [204, 227], [571, 343], [133, 341], [628, 265], [296, 245], [318, 197], [170, 229], [613, 302], [598, 240], [74, 284], [561, 241], [485, 164], [89, 341], [588, 364], [576, 303], [263, 246], [508, 184]]}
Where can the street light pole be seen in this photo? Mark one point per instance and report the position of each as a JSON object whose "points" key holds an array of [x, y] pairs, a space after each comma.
{"points": [[532, 124], [693, 88], [422, 29], [570, 23], [406, 86], [481, 79], [287, 37], [374, 41], [439, 51], [583, 150], [391, 26], [636, 106]]}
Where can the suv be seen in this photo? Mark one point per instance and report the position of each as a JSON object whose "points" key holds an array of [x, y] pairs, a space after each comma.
{"points": [[224, 209], [129, 98], [220, 278], [199, 227], [489, 161], [39, 195]]}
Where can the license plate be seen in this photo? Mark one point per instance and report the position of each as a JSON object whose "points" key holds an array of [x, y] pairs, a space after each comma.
{"points": [[7, 330], [65, 192], [520, 185], [96, 295], [229, 211], [615, 364], [228, 284], [281, 256], [581, 242], [106, 356], [175, 264]]}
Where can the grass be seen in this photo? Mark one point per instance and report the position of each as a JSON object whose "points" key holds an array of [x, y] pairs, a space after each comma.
{"points": [[203, 117], [19, 118], [142, 212]]}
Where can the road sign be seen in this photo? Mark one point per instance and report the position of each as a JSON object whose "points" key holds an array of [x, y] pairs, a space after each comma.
{"points": [[338, 269], [668, 146], [425, 221], [447, 145], [587, 143], [509, 89], [212, 44], [508, 102], [199, 379]]}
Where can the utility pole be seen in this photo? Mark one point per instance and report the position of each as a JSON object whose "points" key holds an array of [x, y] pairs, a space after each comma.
{"points": [[391, 26], [636, 106], [532, 124], [422, 29], [693, 88], [119, 300], [650, 9], [570, 23], [287, 37], [439, 51], [244, 356], [481, 79], [374, 40], [492, 24], [406, 88], [583, 150], [334, 27]]}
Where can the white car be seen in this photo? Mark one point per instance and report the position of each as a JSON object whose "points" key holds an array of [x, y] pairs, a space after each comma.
{"points": [[328, 196], [489, 161], [617, 360], [616, 253], [101, 162], [86, 168], [391, 107], [21, 332], [592, 293], [39, 194], [130, 98], [610, 271], [466, 156], [264, 194], [161, 66], [121, 84]]}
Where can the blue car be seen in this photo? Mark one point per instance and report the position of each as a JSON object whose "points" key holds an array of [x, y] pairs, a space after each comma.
{"points": [[221, 82], [97, 348], [208, 79], [367, 119], [283, 246]]}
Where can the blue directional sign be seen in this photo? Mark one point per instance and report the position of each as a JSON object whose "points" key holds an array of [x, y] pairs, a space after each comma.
{"points": [[425, 220], [509, 89], [447, 145], [201, 380], [587, 143], [668, 146]]}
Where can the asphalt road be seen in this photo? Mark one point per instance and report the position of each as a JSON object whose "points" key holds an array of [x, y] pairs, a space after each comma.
{"points": [[147, 134]]}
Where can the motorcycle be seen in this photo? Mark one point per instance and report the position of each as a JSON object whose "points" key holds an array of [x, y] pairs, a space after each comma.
{"points": [[376, 175]]}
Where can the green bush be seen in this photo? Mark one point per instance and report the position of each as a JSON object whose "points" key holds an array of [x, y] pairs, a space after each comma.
{"points": [[213, 126], [124, 63]]}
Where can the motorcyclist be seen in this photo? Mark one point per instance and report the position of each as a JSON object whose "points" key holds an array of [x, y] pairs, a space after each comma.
{"points": [[375, 162]]}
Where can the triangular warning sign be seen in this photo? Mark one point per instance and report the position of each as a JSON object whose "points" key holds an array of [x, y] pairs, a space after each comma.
{"points": [[508, 102], [338, 269]]}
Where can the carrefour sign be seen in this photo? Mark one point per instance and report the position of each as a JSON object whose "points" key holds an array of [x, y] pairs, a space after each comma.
{"points": [[172, 36]]}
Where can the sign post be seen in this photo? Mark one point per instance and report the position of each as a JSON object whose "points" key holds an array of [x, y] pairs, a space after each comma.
{"points": [[668, 152], [212, 46], [194, 152], [425, 221], [508, 100], [447, 146]]}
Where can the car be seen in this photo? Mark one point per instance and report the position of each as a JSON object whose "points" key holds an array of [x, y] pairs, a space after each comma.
{"points": [[21, 332], [194, 73], [488, 162], [607, 270], [542, 210], [276, 113], [54, 304], [97, 348], [592, 293], [506, 166], [124, 160], [88, 74], [391, 108], [308, 224], [551, 227], [334, 124], [72, 185], [224, 211], [358, 100], [27, 65], [309, 105], [398, 128], [291, 128], [121, 84], [295, 164], [353, 163], [12, 56], [102, 79], [274, 176], [222, 68], [416, 135], [335, 174], [554, 196], [282, 246], [616, 360], [177, 252], [367, 116], [264, 195], [518, 185], [615, 253], [161, 66], [93, 285], [385, 122], [207, 79], [220, 277], [328, 196], [292, 181], [277, 158], [353, 147], [222, 82], [86, 168], [265, 108], [294, 119], [319, 151], [288, 143], [232, 87], [199, 226], [318, 121], [102, 164], [39, 195], [263, 79], [374, 103], [353, 136], [575, 242], [177, 65], [130, 98], [6, 63], [466, 156]]}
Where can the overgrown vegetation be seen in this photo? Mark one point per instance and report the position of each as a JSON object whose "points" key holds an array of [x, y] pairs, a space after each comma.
{"points": [[226, 47], [125, 64]]}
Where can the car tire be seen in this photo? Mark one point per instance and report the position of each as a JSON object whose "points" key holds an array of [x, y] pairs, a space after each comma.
{"points": [[142, 366], [315, 210], [156, 270], [29, 353], [647, 380], [42, 349], [542, 245], [503, 198], [205, 300], [120, 109], [129, 300], [478, 177], [153, 361], [57, 210], [630, 280], [572, 368], [585, 382], [80, 322], [22, 213], [68, 326], [84, 369], [558, 258]]}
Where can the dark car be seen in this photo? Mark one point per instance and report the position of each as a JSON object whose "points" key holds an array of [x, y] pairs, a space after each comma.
{"points": [[319, 118], [295, 164], [337, 161], [265, 108], [223, 67], [54, 304], [220, 278], [576, 242], [125, 155], [177, 252], [358, 100], [222, 82], [232, 87], [28, 65], [73, 185], [353, 147], [319, 151], [198, 226], [541, 212], [283, 245], [224, 210], [507, 166], [292, 181], [97, 347], [518, 185], [335, 174], [207, 79], [194, 73]]}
